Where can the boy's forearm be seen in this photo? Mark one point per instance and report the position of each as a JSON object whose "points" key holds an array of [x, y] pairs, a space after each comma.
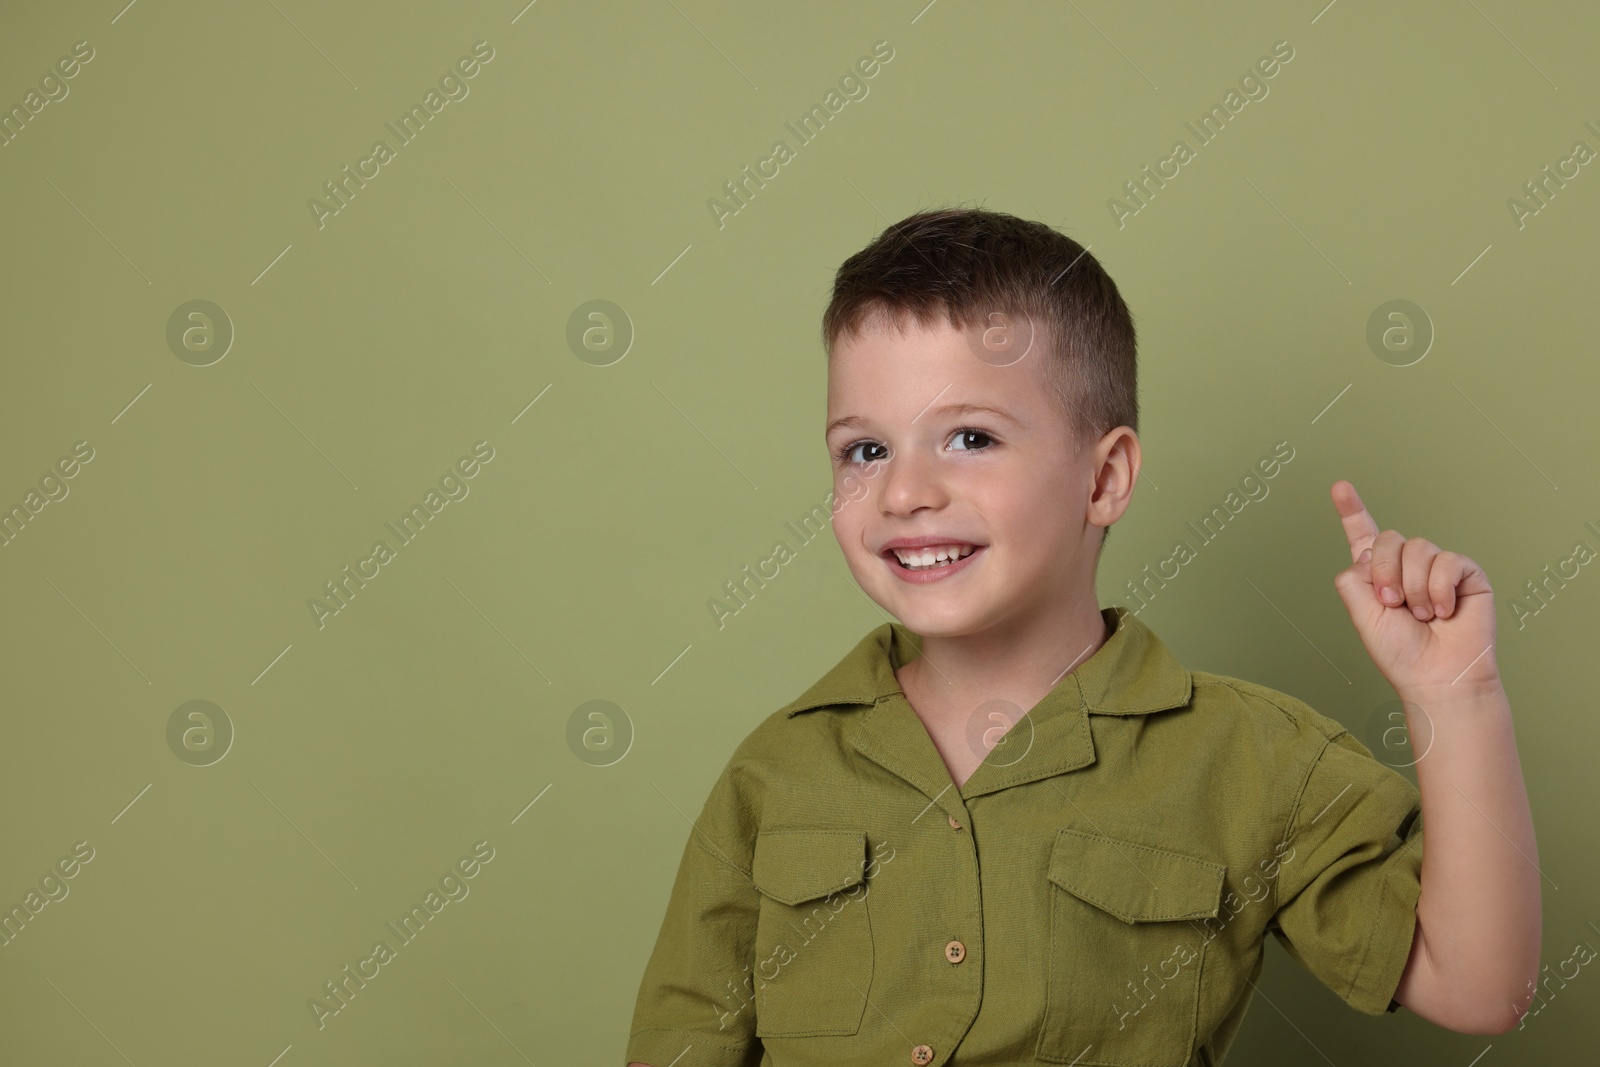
{"points": [[1478, 914]]}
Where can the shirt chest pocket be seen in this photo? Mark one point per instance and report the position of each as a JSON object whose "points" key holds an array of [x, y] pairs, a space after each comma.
{"points": [[813, 963], [1126, 951]]}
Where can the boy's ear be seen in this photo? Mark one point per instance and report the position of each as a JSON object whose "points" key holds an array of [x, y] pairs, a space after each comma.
{"points": [[1117, 458]]}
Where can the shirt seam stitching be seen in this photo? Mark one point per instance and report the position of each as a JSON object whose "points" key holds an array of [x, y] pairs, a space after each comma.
{"points": [[1294, 811], [1294, 808], [1285, 712], [1383, 887], [725, 862]]}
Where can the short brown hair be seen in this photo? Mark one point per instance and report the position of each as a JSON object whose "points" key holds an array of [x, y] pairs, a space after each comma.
{"points": [[968, 263]]}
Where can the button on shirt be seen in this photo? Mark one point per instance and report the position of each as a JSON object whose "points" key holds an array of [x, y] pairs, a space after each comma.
{"points": [[1098, 892]]}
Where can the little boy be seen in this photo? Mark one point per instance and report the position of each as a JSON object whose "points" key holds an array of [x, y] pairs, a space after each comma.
{"points": [[1011, 828]]}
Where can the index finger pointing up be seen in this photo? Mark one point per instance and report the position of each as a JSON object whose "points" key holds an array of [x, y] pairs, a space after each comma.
{"points": [[1358, 525]]}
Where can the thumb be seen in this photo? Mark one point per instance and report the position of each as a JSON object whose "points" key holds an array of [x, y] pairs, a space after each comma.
{"points": [[1354, 585]]}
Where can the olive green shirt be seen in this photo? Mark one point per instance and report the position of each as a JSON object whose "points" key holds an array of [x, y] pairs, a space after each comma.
{"points": [[1097, 892]]}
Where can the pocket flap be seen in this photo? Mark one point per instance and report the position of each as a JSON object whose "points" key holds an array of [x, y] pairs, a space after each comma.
{"points": [[794, 866], [1135, 882]]}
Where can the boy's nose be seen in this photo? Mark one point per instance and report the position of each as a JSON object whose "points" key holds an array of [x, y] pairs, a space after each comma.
{"points": [[910, 482]]}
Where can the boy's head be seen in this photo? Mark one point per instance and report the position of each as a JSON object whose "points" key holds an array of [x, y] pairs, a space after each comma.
{"points": [[970, 307]]}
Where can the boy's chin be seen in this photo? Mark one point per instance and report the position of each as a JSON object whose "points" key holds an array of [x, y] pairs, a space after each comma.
{"points": [[925, 610], [952, 621]]}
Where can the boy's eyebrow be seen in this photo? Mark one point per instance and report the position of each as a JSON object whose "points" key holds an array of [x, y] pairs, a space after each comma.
{"points": [[948, 409]]}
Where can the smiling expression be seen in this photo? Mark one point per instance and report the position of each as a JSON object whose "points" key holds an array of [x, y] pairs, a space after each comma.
{"points": [[960, 458]]}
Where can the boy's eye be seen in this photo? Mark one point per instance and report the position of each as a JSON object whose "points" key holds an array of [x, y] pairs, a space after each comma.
{"points": [[963, 434], [846, 454]]}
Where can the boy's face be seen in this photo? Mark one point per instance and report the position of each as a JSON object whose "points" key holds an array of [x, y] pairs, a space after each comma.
{"points": [[1010, 488]]}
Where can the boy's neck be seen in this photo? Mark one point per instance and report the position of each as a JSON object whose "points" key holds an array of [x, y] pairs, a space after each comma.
{"points": [[953, 675]]}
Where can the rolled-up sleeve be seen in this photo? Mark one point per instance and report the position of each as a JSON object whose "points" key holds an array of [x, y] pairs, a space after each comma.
{"points": [[695, 1007], [1347, 897]]}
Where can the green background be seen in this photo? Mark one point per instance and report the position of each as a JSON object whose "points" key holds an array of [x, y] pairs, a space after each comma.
{"points": [[370, 354]]}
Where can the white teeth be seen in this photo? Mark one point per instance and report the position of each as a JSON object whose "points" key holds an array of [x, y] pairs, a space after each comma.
{"points": [[938, 555]]}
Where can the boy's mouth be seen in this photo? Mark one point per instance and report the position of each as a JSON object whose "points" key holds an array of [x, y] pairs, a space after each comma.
{"points": [[930, 557]]}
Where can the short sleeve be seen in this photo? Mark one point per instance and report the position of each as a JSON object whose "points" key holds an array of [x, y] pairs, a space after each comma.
{"points": [[1347, 894], [695, 1007]]}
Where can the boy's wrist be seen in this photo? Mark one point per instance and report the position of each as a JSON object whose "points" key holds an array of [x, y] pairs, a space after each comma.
{"points": [[1485, 692]]}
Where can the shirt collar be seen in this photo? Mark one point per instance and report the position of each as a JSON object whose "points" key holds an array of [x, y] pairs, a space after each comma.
{"points": [[1130, 674]]}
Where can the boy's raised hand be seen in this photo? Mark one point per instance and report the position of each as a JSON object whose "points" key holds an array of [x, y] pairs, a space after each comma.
{"points": [[1451, 643]]}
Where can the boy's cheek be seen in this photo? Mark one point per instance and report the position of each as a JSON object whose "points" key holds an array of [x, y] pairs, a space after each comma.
{"points": [[855, 486]]}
